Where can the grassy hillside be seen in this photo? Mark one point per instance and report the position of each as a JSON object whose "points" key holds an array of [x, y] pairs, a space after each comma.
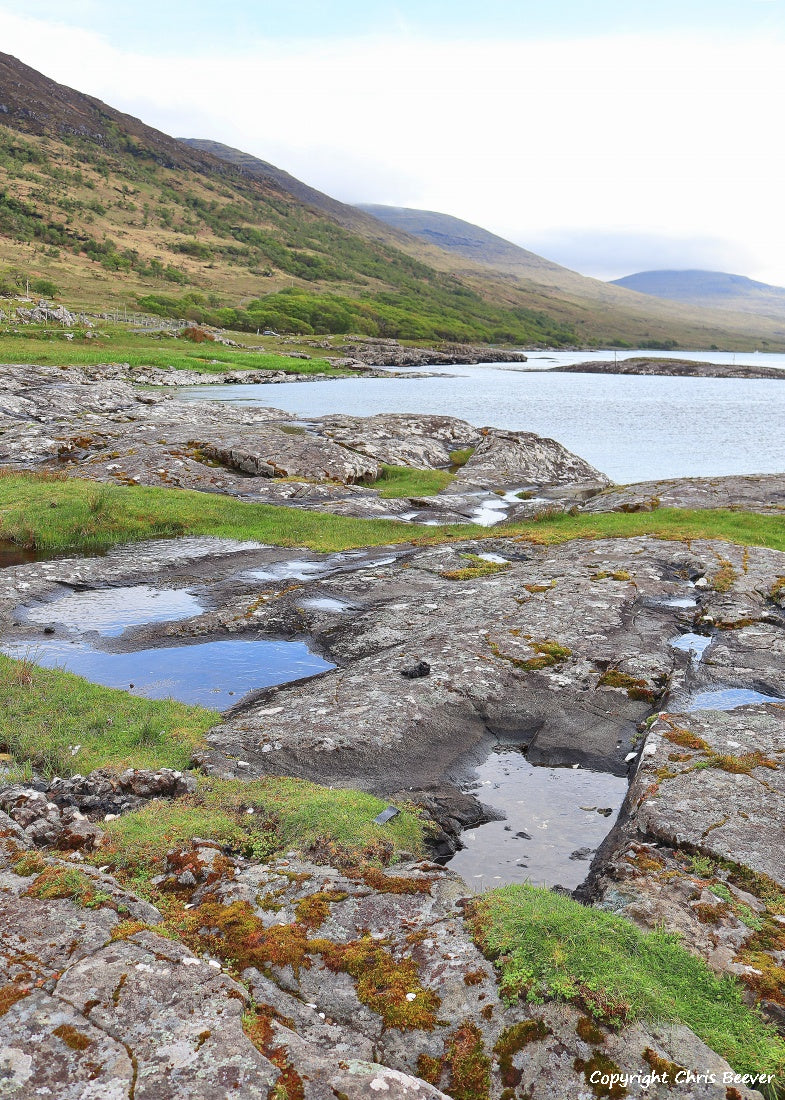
{"points": [[101, 210]]}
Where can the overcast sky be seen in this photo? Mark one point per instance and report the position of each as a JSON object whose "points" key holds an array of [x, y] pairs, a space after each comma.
{"points": [[612, 136]]}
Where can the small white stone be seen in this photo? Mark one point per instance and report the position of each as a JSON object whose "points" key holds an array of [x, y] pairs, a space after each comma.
{"points": [[214, 964], [630, 756], [411, 996]]}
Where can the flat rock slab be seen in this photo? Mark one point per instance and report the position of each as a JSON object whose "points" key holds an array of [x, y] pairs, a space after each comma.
{"points": [[764, 493], [564, 650], [708, 803]]}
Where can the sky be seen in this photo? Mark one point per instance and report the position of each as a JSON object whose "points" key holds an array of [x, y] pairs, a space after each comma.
{"points": [[613, 136]]}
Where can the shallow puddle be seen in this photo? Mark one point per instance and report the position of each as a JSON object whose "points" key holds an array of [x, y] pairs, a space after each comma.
{"points": [[327, 603], [110, 611], [694, 644], [729, 699], [214, 674], [15, 555], [556, 819], [675, 601]]}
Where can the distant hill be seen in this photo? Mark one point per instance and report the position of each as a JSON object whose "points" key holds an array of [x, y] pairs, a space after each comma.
{"points": [[466, 239], [621, 303], [713, 289]]}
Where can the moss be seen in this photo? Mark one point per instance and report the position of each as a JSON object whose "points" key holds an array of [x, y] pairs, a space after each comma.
{"points": [[314, 910], [479, 567], [534, 588], [430, 1069], [72, 1038], [31, 863], [468, 1064], [722, 580], [10, 994], [383, 982], [777, 590], [461, 456], [687, 740], [600, 1066], [474, 977], [666, 1069], [235, 934], [68, 882], [548, 653], [394, 884], [257, 1025], [588, 1030], [511, 1041], [635, 688]]}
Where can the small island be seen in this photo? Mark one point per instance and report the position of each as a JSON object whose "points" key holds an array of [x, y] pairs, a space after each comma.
{"points": [[677, 368]]}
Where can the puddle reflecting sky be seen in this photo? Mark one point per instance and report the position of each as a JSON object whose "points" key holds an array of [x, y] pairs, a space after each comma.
{"points": [[729, 699], [551, 814], [111, 610], [213, 674]]}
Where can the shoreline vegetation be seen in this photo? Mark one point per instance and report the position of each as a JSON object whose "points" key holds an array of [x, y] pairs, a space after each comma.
{"points": [[54, 514]]}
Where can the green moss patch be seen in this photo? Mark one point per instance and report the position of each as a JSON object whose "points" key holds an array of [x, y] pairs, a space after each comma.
{"points": [[334, 826], [548, 947], [478, 567]]}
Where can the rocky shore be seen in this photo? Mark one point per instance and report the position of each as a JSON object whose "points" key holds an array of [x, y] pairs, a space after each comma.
{"points": [[680, 368], [313, 973]]}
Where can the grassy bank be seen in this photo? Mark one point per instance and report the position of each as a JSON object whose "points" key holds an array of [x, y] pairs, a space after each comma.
{"points": [[53, 513], [48, 348], [287, 813], [60, 724], [549, 947]]}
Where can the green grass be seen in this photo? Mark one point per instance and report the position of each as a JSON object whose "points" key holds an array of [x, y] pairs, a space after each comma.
{"points": [[47, 713], [35, 346], [548, 947], [407, 481], [288, 813], [55, 514]]}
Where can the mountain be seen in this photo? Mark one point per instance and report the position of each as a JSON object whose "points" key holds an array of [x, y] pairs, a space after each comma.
{"points": [[573, 292], [466, 239], [114, 212], [712, 289]]}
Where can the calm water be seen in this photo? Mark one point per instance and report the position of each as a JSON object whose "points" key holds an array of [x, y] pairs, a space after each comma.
{"points": [[212, 674], [555, 819], [632, 428]]}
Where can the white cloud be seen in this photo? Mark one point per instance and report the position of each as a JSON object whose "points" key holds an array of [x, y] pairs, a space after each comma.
{"points": [[665, 136]]}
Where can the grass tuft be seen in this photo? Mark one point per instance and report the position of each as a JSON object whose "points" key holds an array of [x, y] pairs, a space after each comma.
{"points": [[548, 947]]}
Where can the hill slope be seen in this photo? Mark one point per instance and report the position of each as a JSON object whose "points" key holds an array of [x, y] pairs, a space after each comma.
{"points": [[714, 289], [115, 212], [628, 311]]}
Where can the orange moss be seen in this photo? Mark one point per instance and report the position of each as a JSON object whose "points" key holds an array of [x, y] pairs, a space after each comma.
{"points": [[314, 910], [394, 884], [10, 994], [511, 1041], [469, 1065], [72, 1038], [383, 982]]}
